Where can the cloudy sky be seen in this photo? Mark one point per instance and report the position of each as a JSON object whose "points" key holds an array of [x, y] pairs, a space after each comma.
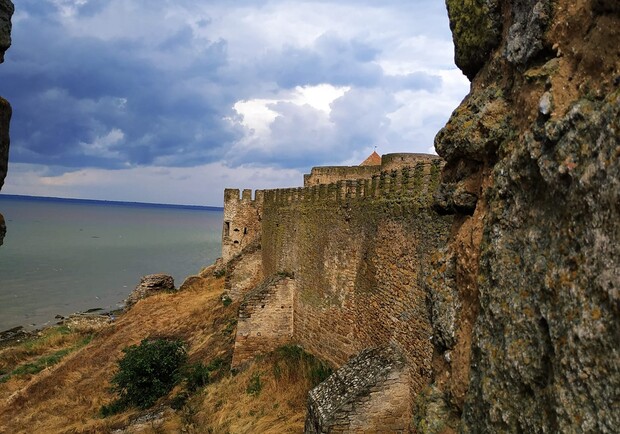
{"points": [[173, 100]]}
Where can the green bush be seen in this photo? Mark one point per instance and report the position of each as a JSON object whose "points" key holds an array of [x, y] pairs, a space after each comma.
{"points": [[196, 376], [146, 373], [301, 362], [254, 386]]}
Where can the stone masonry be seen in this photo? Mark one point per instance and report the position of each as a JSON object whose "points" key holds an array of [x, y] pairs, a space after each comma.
{"points": [[370, 393], [242, 217], [357, 253], [265, 319]]}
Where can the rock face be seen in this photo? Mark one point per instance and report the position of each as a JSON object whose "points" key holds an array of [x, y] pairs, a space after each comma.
{"points": [[526, 296], [150, 285], [6, 11], [2, 229], [5, 119]]}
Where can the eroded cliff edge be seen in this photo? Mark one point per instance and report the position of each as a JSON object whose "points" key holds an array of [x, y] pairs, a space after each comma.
{"points": [[525, 297]]}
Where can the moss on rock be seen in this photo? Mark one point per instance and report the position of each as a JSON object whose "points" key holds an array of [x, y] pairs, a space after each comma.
{"points": [[476, 31]]}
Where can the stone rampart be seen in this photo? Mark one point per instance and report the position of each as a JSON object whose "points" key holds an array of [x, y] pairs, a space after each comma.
{"points": [[265, 319], [389, 162], [404, 183], [359, 252]]}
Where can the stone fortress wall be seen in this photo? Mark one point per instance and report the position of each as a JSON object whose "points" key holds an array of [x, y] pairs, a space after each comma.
{"points": [[344, 266], [333, 174]]}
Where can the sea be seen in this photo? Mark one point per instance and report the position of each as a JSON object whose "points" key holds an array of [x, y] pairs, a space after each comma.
{"points": [[62, 256]]}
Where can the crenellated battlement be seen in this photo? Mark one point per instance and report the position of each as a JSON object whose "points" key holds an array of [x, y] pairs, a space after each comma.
{"points": [[232, 195], [389, 162], [412, 178], [242, 216], [410, 182]]}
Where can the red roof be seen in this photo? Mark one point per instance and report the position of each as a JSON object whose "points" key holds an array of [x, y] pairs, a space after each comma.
{"points": [[373, 160]]}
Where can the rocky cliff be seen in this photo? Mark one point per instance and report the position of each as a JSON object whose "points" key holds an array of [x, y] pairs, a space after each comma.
{"points": [[525, 297], [6, 11]]}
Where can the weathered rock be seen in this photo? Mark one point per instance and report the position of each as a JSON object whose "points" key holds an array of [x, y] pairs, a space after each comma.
{"points": [[2, 229], [444, 302], [537, 142], [476, 29], [5, 119], [6, 12], [150, 285], [530, 20]]}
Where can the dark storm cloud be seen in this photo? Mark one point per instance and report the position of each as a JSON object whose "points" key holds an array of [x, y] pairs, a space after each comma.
{"points": [[74, 91], [330, 60], [163, 94]]}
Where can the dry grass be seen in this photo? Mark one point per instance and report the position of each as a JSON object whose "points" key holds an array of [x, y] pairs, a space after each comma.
{"points": [[67, 397], [237, 404], [48, 341]]}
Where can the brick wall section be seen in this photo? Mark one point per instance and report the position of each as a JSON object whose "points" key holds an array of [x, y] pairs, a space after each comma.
{"points": [[331, 174], [389, 162], [368, 394], [244, 271], [359, 251], [242, 218], [265, 319]]}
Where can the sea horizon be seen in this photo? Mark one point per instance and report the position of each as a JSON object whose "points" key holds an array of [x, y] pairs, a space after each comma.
{"points": [[64, 255], [109, 202]]}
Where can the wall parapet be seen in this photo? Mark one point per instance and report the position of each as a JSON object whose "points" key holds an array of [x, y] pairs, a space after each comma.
{"points": [[411, 182]]}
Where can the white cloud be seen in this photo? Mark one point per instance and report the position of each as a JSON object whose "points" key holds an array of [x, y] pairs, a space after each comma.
{"points": [[258, 114], [103, 146]]}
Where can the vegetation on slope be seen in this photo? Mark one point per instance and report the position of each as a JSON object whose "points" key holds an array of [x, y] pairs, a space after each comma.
{"points": [[269, 395]]}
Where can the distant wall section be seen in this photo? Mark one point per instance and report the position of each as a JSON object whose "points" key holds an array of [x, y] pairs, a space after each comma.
{"points": [[389, 162], [242, 217]]}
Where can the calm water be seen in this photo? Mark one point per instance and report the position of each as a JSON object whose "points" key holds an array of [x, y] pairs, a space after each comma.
{"points": [[61, 257]]}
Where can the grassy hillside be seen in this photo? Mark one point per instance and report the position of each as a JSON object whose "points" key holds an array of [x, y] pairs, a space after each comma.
{"points": [[58, 381]]}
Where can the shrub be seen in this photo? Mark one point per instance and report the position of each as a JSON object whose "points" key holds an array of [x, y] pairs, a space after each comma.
{"points": [[196, 376], [254, 386], [299, 362], [146, 373]]}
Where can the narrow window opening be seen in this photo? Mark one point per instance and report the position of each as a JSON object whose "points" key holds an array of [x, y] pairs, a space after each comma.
{"points": [[245, 231], [226, 229]]}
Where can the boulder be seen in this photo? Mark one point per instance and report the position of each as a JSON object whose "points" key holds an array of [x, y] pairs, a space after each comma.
{"points": [[150, 285]]}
